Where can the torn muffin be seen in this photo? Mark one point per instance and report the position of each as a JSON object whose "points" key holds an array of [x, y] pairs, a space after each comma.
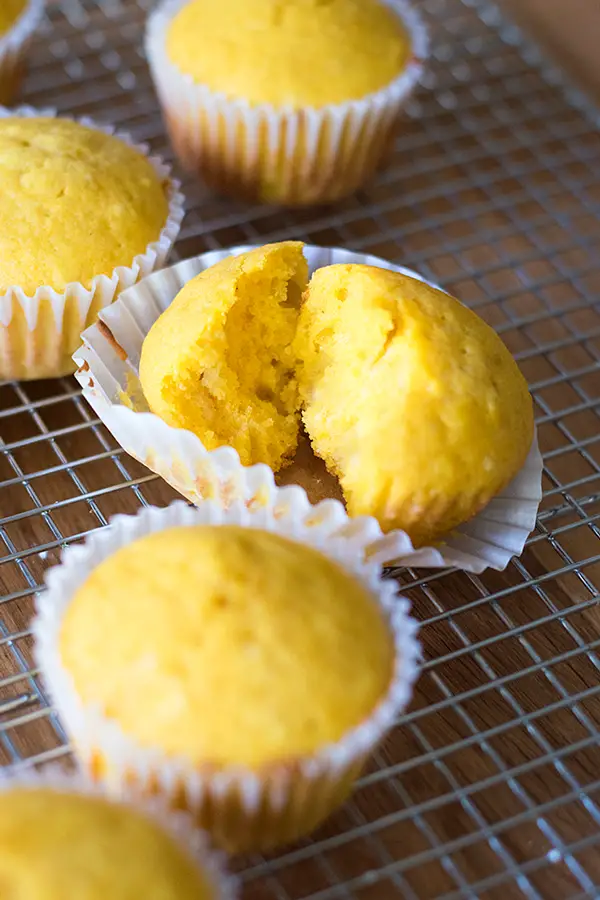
{"points": [[219, 361]]}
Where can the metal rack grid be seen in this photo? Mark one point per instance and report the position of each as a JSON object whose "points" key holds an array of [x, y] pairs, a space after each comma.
{"points": [[489, 789]]}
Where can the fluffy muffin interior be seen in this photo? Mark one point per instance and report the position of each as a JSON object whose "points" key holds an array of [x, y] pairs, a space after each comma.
{"points": [[219, 360]]}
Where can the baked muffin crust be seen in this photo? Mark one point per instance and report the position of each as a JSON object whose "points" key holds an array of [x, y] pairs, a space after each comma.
{"points": [[296, 53], [59, 844], [412, 400], [225, 645], [76, 203]]}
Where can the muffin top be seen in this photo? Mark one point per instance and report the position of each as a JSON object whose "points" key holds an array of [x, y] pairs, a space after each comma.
{"points": [[57, 845], [10, 10], [76, 203], [254, 650], [294, 53], [219, 362], [411, 399]]}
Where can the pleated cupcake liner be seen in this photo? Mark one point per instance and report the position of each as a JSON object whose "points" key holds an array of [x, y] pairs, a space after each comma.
{"points": [[40, 332], [279, 155], [108, 364], [14, 48], [176, 824], [242, 809]]}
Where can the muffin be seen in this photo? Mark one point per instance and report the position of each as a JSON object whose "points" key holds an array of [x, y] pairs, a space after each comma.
{"points": [[18, 21], [60, 840], [109, 360], [284, 103], [219, 360], [412, 400], [84, 214], [265, 671]]}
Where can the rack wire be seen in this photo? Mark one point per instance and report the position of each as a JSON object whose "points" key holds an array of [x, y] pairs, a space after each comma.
{"points": [[490, 787]]}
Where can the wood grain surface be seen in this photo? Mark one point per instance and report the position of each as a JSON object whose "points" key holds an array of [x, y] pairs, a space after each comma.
{"points": [[488, 788], [568, 29]]}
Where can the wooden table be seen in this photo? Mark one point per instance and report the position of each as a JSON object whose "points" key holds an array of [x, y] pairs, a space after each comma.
{"points": [[489, 787], [569, 30]]}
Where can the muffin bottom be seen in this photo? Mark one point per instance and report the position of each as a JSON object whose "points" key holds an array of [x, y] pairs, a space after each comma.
{"points": [[238, 820], [45, 351], [259, 168]]}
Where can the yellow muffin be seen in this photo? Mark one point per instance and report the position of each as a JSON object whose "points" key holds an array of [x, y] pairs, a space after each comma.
{"points": [[283, 101], [83, 216], [413, 401], [58, 845], [289, 52], [10, 10], [248, 646], [76, 203], [219, 361]]}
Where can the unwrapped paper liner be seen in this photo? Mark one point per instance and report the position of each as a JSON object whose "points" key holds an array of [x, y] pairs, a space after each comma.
{"points": [[111, 355], [14, 47], [32, 349], [243, 810], [176, 824], [280, 155]]}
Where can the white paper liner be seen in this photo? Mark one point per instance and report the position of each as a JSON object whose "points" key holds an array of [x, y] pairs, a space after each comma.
{"points": [[175, 823], [280, 155], [14, 45], [276, 801], [44, 355], [489, 540]]}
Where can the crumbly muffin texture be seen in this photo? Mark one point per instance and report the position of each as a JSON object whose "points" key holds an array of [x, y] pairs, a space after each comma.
{"points": [[255, 650], [296, 53], [76, 203], [412, 400], [219, 360], [10, 11], [62, 845]]}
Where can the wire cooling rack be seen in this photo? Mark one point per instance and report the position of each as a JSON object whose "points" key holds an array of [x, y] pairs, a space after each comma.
{"points": [[490, 788]]}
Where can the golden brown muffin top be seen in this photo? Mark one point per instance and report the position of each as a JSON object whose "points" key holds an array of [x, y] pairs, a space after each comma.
{"points": [[76, 203], [255, 650], [299, 53], [57, 845]]}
